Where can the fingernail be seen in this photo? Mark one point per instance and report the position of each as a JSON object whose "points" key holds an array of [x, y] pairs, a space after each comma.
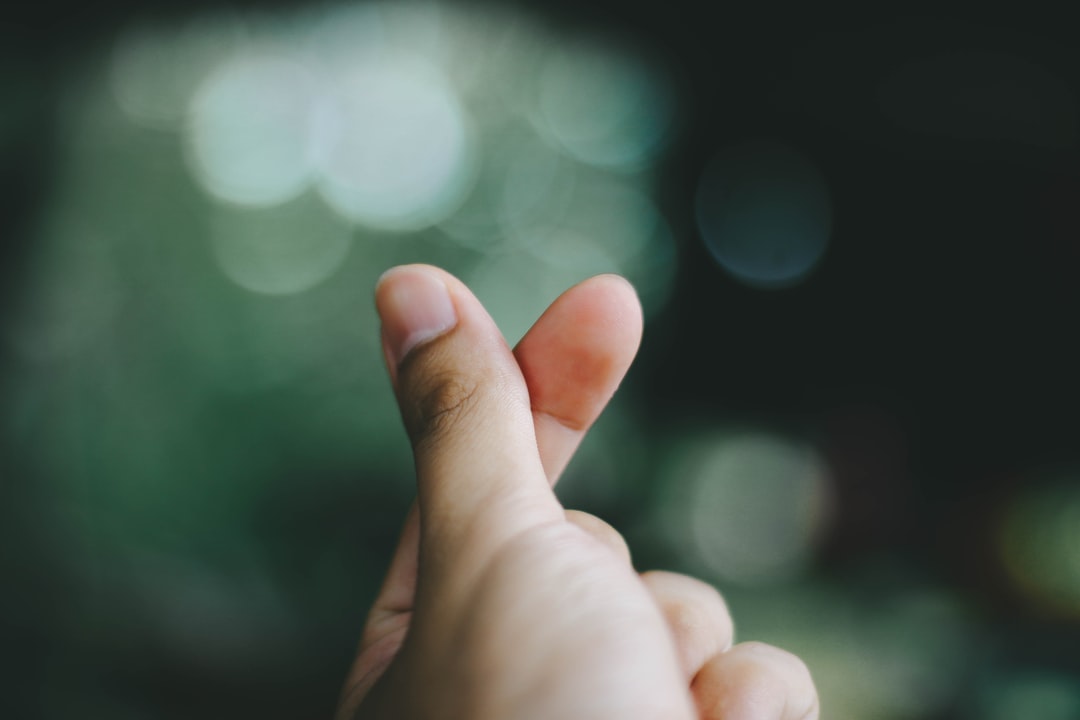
{"points": [[414, 306]]}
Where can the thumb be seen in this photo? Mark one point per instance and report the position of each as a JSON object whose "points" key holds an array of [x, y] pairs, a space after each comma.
{"points": [[466, 409]]}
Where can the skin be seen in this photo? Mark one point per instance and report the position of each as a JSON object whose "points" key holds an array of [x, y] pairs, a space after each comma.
{"points": [[499, 603]]}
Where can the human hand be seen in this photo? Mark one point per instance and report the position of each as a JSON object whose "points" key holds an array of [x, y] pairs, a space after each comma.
{"points": [[501, 605]]}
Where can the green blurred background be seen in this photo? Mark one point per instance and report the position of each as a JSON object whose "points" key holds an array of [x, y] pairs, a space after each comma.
{"points": [[857, 242]]}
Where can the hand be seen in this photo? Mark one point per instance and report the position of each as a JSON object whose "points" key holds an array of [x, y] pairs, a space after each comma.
{"points": [[501, 605]]}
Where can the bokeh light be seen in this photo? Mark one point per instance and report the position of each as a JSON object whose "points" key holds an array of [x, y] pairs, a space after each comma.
{"points": [[764, 212], [515, 289], [335, 38], [914, 650], [280, 250], [1040, 541], [156, 67], [604, 222], [604, 226], [1044, 694], [602, 106], [518, 177], [251, 133], [396, 150], [750, 505], [536, 189], [892, 652]]}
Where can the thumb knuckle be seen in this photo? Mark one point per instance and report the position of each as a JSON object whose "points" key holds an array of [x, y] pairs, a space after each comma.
{"points": [[439, 403]]}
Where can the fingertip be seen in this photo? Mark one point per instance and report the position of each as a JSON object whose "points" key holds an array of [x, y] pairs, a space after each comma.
{"points": [[576, 354], [621, 296], [415, 306], [620, 280]]}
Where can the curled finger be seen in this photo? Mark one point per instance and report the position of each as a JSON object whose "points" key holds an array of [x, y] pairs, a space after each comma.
{"points": [[755, 681], [696, 614]]}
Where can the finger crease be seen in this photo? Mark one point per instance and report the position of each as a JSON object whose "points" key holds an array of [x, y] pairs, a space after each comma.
{"points": [[568, 423]]}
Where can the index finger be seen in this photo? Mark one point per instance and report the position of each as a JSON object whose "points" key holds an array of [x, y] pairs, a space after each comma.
{"points": [[573, 359]]}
